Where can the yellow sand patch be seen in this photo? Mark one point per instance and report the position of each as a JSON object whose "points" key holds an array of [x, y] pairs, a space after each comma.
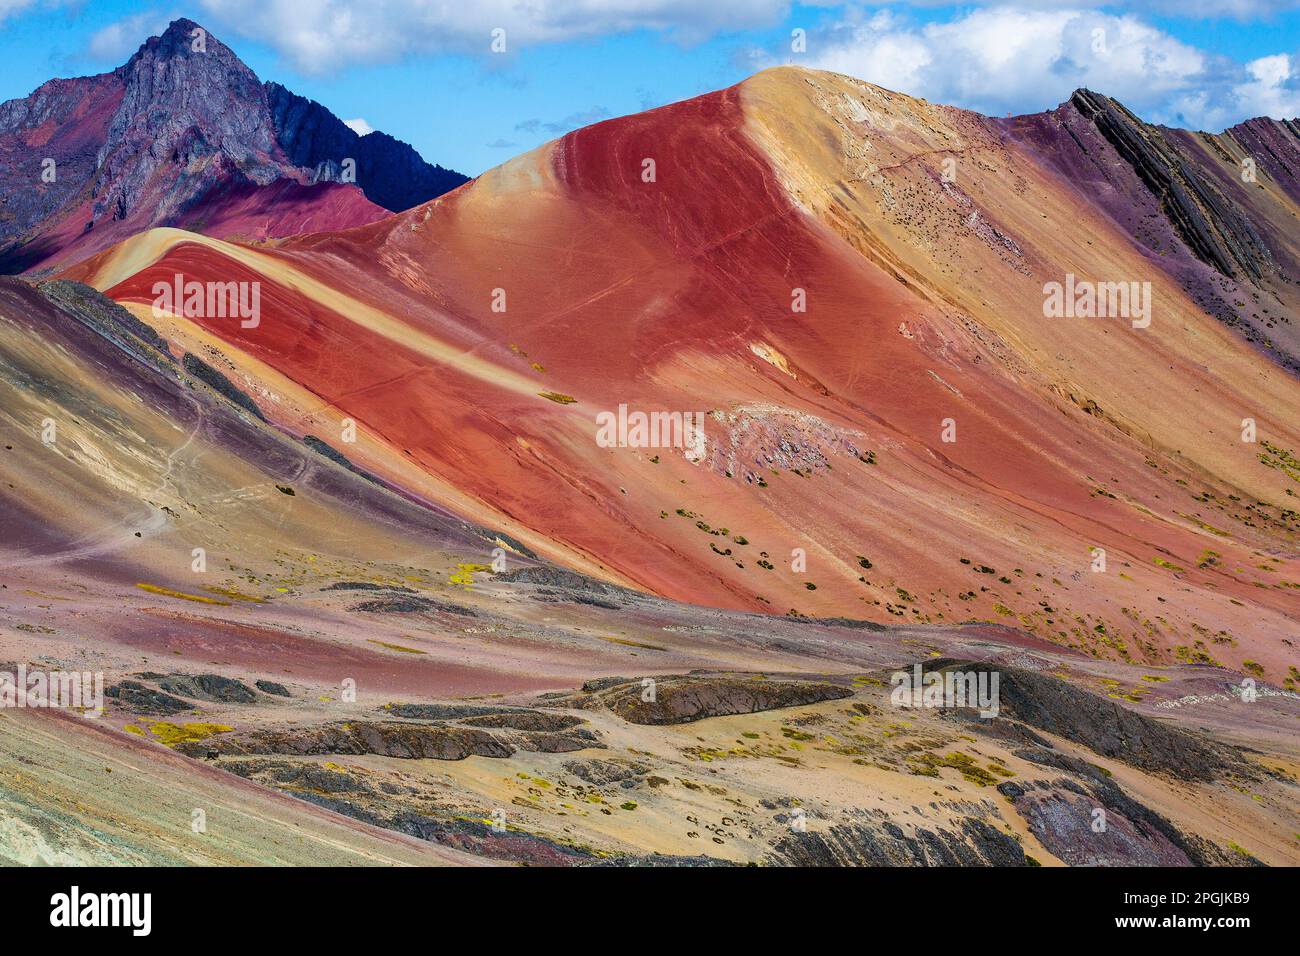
{"points": [[396, 647], [168, 592], [236, 595], [559, 398], [771, 356], [42, 594], [464, 575], [173, 734]]}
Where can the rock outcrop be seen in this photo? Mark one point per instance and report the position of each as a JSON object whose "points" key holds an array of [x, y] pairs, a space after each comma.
{"points": [[1214, 227], [682, 699], [975, 843]]}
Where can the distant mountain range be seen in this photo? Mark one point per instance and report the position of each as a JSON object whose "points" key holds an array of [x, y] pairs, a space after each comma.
{"points": [[186, 135]]}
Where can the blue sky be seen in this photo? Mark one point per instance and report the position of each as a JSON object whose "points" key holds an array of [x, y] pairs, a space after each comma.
{"points": [[424, 71]]}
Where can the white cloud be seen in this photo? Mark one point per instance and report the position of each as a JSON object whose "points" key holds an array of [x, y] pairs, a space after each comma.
{"points": [[325, 35], [1021, 58], [1273, 88], [9, 7], [1268, 86], [1193, 9], [359, 126], [1236, 9], [13, 8], [993, 59], [995, 56], [117, 41]]}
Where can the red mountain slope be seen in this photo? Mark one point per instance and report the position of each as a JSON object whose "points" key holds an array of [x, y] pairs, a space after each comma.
{"points": [[829, 486]]}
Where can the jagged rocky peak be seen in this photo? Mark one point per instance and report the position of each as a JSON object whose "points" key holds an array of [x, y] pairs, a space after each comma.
{"points": [[183, 39], [187, 80], [184, 134], [192, 97]]}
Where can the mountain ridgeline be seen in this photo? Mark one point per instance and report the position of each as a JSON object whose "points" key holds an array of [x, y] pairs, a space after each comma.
{"points": [[390, 172], [184, 134]]}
